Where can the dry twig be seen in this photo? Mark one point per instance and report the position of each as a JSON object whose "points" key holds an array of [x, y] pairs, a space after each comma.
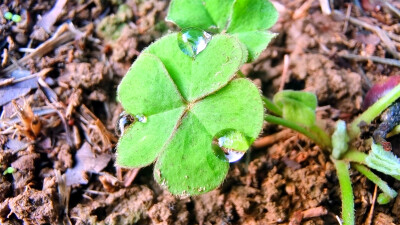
{"points": [[391, 62], [61, 36], [271, 139], [368, 220], [390, 46]]}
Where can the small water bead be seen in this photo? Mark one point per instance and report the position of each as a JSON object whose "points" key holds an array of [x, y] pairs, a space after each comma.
{"points": [[192, 41], [233, 143], [124, 120], [233, 139], [233, 156], [141, 118]]}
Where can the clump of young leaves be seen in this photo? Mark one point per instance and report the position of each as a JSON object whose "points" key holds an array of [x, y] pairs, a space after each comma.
{"points": [[296, 110]]}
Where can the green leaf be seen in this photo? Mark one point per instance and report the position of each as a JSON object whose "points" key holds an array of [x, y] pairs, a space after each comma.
{"points": [[255, 41], [208, 15], [251, 15], [340, 140], [383, 161], [145, 96], [223, 56], [187, 102], [297, 106], [246, 19]]}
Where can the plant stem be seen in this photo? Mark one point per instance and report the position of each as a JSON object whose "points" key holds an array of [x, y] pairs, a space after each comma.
{"points": [[352, 155], [315, 135], [374, 178], [342, 169], [271, 106], [323, 136], [373, 111]]}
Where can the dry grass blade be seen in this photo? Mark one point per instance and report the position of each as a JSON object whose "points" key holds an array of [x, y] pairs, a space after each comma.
{"points": [[107, 138], [390, 46], [271, 139], [391, 62], [392, 8], [51, 17], [61, 36]]}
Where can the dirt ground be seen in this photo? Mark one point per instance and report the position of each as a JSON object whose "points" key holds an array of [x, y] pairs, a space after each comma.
{"points": [[61, 64]]}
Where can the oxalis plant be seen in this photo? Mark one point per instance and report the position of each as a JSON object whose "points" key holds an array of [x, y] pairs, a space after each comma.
{"points": [[191, 112]]}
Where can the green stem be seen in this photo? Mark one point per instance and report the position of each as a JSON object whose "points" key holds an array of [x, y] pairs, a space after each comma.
{"points": [[352, 155], [271, 106], [323, 142], [323, 136], [342, 169], [373, 111], [374, 178]]}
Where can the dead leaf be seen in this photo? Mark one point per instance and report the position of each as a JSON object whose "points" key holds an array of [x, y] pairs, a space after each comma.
{"points": [[86, 161]]}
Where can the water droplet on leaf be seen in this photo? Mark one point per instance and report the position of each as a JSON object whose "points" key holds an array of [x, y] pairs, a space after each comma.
{"points": [[233, 156], [233, 143], [192, 41], [141, 118], [124, 120]]}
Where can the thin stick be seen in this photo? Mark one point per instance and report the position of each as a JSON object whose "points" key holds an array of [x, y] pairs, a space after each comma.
{"points": [[392, 8], [300, 12], [271, 139], [325, 7], [368, 220], [381, 33], [285, 72], [346, 23], [391, 62], [61, 36]]}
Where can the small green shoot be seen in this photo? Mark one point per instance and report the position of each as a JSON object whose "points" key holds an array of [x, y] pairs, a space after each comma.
{"points": [[296, 106], [9, 170], [374, 111], [13, 17], [294, 110], [340, 140], [8, 15], [298, 113]]}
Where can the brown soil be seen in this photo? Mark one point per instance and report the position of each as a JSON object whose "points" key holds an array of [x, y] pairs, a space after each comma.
{"points": [[64, 164]]}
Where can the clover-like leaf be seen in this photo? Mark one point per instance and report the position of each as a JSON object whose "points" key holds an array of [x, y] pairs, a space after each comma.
{"points": [[383, 161], [187, 102], [248, 20], [297, 106]]}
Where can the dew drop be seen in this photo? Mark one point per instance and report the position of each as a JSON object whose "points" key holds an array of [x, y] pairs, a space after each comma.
{"points": [[233, 156], [141, 118], [124, 120], [233, 143], [192, 41]]}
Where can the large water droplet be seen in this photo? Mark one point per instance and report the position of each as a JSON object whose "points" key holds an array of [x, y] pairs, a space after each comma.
{"points": [[233, 143], [192, 41], [124, 120], [141, 118]]}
